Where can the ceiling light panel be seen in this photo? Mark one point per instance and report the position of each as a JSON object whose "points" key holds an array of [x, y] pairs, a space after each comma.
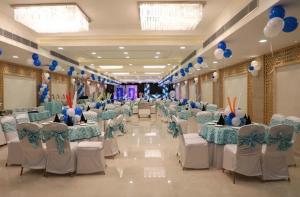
{"points": [[111, 67], [120, 73], [151, 73], [52, 18], [170, 16]]}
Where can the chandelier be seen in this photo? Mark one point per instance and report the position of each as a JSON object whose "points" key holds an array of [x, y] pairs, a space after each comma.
{"points": [[52, 18]]}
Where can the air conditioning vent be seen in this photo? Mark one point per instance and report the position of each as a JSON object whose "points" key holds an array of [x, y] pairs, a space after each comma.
{"points": [[62, 57], [185, 60], [244, 12], [18, 38]]}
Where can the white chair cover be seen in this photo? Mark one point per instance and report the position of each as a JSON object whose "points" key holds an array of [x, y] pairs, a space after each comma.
{"points": [[274, 157], [192, 121], [119, 120], [59, 163], [14, 155], [243, 158], [296, 141], [34, 153], [111, 147], [90, 157], [192, 149], [206, 116], [22, 117]]}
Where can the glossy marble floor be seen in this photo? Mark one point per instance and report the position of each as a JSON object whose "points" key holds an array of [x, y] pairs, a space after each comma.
{"points": [[147, 166]]}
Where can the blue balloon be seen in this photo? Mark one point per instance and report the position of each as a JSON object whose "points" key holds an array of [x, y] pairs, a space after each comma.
{"points": [[187, 69], [35, 56], [290, 24], [49, 78], [71, 68], [200, 60], [190, 65], [52, 68], [98, 105], [82, 72], [251, 68], [37, 62], [176, 74], [69, 73], [78, 111], [54, 63], [277, 11], [222, 45], [64, 111], [227, 53]]}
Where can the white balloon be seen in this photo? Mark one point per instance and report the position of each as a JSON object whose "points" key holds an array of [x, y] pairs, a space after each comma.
{"points": [[44, 85], [219, 53], [197, 66], [73, 81], [71, 112], [236, 121], [256, 65], [46, 75], [273, 27], [77, 118], [216, 75], [239, 113]]}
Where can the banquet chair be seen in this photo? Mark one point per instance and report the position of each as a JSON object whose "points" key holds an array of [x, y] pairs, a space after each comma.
{"points": [[119, 127], [14, 155], [110, 144], [22, 117], [127, 112], [90, 116], [275, 153], [34, 153], [90, 157], [295, 123], [193, 149], [277, 119], [60, 152], [245, 156]]}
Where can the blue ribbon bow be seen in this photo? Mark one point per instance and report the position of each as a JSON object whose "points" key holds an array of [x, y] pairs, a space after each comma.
{"points": [[283, 141], [33, 137], [60, 138], [252, 139]]}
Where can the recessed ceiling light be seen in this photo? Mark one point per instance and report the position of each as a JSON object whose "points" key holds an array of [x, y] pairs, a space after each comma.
{"points": [[156, 57], [111, 66], [99, 57], [15, 56], [151, 73], [92, 64], [127, 57], [198, 69], [154, 66], [215, 62], [166, 16], [125, 53], [157, 53], [120, 73], [60, 48], [130, 64], [182, 47], [121, 47], [93, 53], [168, 64], [263, 41]]}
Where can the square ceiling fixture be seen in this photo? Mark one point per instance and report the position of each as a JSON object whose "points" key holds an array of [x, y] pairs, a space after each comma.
{"points": [[170, 16], [52, 18]]}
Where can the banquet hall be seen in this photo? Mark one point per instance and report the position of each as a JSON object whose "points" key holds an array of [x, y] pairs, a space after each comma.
{"points": [[149, 98]]}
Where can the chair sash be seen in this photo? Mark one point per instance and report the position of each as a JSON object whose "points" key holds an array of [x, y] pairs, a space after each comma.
{"points": [[109, 132], [9, 126], [185, 115], [252, 139], [175, 129], [33, 137], [282, 140], [60, 138], [110, 114]]}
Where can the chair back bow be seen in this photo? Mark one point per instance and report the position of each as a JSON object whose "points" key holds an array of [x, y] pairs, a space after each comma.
{"points": [[282, 140], [33, 137], [175, 129], [60, 138], [252, 139]]}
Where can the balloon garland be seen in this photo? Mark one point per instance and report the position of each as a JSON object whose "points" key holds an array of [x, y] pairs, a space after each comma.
{"points": [[278, 22], [53, 65], [254, 67]]}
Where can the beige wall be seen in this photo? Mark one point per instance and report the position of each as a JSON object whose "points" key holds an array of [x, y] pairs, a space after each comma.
{"points": [[207, 91], [192, 90]]}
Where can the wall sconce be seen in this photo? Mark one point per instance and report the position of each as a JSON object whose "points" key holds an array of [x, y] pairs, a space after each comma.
{"points": [[196, 80]]}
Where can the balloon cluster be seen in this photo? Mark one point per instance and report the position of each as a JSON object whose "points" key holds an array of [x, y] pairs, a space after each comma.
{"points": [[222, 51], [200, 61], [215, 76], [234, 115], [71, 71], [254, 67], [72, 113], [53, 65], [278, 22], [93, 77], [36, 60], [43, 88]]}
